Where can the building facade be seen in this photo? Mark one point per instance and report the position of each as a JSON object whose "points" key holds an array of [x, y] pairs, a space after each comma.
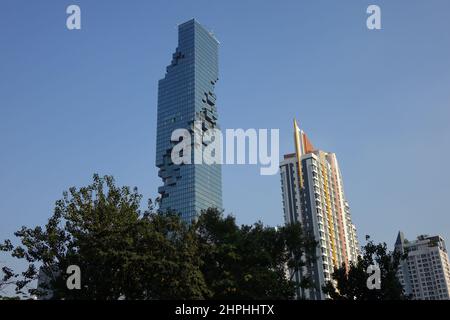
{"points": [[313, 194], [425, 274], [185, 99]]}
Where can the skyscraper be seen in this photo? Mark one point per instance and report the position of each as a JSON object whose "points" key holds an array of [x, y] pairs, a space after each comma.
{"points": [[186, 95], [425, 274], [313, 194]]}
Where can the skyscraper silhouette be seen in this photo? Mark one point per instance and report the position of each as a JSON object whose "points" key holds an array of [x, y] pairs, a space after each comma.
{"points": [[185, 97]]}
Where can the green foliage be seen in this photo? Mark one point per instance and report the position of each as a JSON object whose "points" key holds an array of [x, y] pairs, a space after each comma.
{"points": [[8, 276], [124, 253], [352, 285], [248, 262]]}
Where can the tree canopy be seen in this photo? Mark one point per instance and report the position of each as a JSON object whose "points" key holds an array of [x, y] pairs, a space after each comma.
{"points": [[249, 262], [351, 284], [126, 253]]}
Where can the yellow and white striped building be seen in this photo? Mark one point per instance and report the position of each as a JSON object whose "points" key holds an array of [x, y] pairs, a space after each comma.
{"points": [[313, 194]]}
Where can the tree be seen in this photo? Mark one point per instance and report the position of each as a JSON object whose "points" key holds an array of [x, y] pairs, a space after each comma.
{"points": [[121, 252], [7, 278], [10, 278], [124, 253], [351, 284], [249, 262]]}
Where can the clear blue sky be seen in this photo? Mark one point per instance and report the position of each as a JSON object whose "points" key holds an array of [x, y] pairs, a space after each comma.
{"points": [[73, 103]]}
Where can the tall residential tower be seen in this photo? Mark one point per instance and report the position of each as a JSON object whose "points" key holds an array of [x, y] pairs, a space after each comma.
{"points": [[313, 194], [186, 96], [425, 274]]}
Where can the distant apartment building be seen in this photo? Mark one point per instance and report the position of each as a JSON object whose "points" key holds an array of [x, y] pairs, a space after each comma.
{"points": [[313, 194], [425, 274]]}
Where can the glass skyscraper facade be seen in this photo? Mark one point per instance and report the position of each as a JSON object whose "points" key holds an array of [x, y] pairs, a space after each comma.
{"points": [[185, 97]]}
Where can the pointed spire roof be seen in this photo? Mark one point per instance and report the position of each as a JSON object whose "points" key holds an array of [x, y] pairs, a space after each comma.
{"points": [[302, 139], [400, 239], [308, 146]]}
